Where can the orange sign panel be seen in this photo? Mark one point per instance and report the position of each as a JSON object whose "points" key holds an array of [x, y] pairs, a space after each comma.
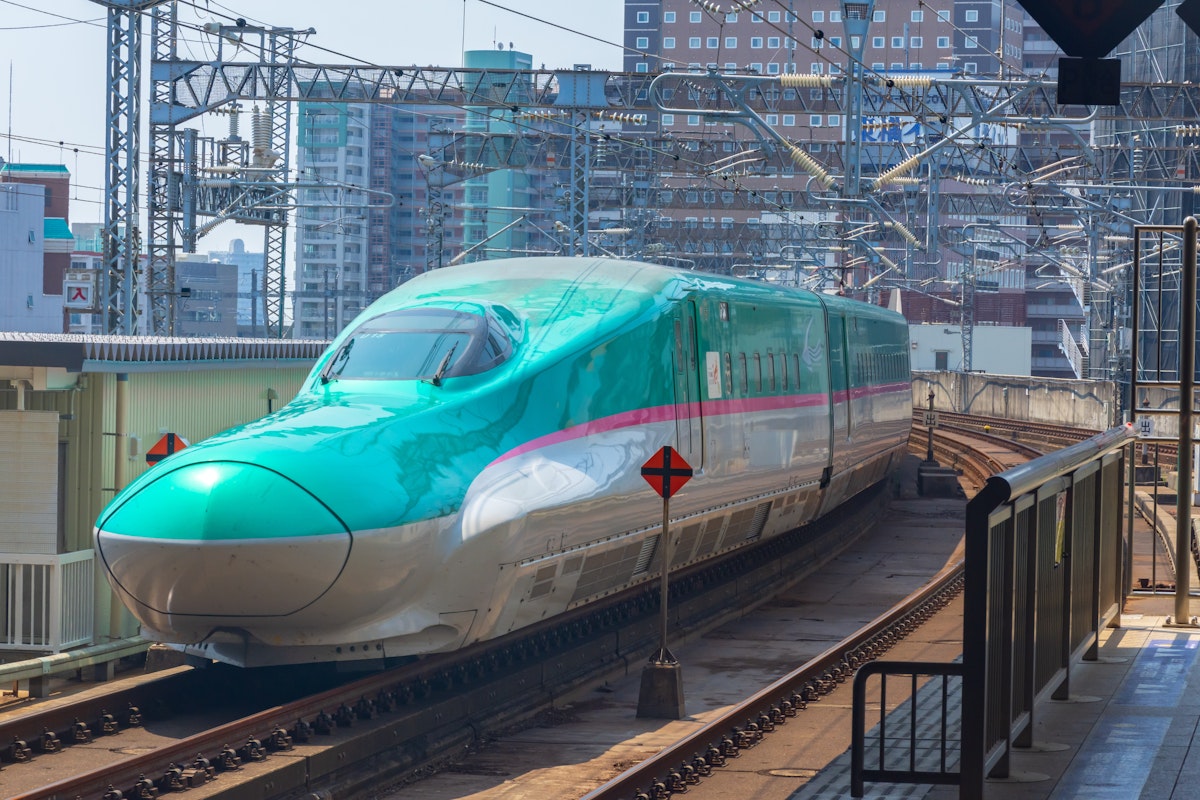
{"points": [[168, 444]]}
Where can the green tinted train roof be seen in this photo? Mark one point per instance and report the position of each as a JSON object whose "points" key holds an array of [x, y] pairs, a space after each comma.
{"points": [[537, 285], [557, 286]]}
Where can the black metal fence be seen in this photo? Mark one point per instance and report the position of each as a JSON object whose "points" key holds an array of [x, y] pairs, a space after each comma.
{"points": [[1044, 573]]}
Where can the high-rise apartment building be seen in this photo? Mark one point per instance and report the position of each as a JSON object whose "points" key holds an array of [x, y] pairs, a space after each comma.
{"points": [[362, 229], [732, 225], [333, 153], [811, 37], [506, 211]]}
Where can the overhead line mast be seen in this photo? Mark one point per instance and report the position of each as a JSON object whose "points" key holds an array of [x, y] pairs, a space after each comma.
{"points": [[121, 236]]}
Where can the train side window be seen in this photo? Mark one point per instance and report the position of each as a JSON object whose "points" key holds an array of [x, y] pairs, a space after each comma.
{"points": [[771, 370], [783, 359], [745, 373], [758, 381], [678, 347], [796, 367], [723, 311], [728, 375]]}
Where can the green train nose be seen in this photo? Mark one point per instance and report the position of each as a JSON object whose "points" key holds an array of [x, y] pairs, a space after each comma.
{"points": [[221, 539]]}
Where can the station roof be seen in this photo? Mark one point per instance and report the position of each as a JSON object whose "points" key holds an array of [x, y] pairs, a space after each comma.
{"points": [[74, 352], [35, 169]]}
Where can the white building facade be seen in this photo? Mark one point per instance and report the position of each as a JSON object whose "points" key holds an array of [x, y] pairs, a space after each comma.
{"points": [[23, 304]]}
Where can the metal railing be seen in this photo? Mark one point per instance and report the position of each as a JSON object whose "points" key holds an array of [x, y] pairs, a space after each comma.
{"points": [[48, 601], [928, 744], [1071, 349], [1043, 574]]}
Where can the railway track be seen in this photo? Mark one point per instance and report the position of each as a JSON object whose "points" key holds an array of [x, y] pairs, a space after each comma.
{"points": [[401, 721], [390, 723], [979, 447], [976, 455], [1048, 436]]}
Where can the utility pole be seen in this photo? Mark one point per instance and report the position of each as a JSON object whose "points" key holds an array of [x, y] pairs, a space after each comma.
{"points": [[967, 311]]}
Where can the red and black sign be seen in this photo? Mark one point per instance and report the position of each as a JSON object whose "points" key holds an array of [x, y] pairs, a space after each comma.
{"points": [[168, 444], [666, 472]]}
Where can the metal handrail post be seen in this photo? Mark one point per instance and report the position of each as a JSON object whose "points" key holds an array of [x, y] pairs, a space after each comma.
{"points": [[1187, 384]]}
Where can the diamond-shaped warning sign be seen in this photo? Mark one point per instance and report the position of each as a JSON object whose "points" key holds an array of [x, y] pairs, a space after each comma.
{"points": [[667, 472]]}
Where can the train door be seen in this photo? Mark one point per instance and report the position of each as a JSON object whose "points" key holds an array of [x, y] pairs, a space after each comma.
{"points": [[689, 417], [839, 392]]}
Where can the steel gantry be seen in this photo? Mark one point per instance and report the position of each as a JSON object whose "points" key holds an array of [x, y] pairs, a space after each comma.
{"points": [[121, 237], [246, 181], [929, 152]]}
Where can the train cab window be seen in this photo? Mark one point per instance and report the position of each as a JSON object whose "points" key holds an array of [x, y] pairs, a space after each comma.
{"points": [[421, 344]]}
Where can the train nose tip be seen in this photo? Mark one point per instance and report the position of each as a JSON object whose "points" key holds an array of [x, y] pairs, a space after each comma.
{"points": [[221, 539]]}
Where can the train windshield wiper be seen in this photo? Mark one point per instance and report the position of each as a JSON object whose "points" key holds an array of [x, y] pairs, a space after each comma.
{"points": [[340, 357], [436, 380]]}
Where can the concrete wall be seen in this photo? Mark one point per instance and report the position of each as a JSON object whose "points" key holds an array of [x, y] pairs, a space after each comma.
{"points": [[1083, 404]]}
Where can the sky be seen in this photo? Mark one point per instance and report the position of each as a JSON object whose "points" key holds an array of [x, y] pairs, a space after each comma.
{"points": [[57, 55]]}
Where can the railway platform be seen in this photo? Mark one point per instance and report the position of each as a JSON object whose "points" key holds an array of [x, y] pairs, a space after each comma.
{"points": [[1128, 729]]}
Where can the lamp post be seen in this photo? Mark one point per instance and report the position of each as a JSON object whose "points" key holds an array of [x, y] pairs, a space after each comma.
{"points": [[929, 422]]}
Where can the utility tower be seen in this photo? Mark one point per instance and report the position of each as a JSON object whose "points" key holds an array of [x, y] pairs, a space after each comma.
{"points": [[193, 176], [121, 235]]}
